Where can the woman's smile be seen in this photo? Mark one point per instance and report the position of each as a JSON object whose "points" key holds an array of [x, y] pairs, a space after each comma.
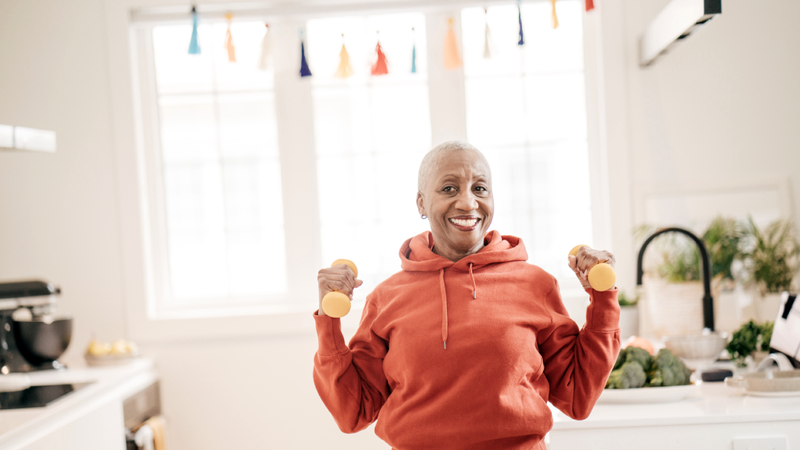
{"points": [[464, 223]]}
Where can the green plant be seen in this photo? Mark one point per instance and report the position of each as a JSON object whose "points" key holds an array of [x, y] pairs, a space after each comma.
{"points": [[625, 301], [773, 255], [723, 238], [749, 338]]}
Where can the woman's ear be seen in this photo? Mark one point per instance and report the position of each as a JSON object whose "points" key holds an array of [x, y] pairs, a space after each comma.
{"points": [[420, 203]]}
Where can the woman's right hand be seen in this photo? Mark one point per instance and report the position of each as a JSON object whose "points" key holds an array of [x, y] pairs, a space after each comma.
{"points": [[337, 278]]}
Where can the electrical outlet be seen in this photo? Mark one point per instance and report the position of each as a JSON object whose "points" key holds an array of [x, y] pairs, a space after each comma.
{"points": [[761, 443]]}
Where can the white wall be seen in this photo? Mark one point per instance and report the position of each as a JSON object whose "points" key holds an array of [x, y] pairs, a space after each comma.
{"points": [[722, 107]]}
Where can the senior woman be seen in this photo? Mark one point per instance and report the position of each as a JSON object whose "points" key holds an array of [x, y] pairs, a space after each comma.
{"points": [[463, 348]]}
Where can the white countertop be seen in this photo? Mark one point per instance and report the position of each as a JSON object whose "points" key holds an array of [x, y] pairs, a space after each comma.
{"points": [[19, 427], [712, 403]]}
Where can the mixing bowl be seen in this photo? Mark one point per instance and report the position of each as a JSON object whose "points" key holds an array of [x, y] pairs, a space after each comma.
{"points": [[43, 339], [697, 349]]}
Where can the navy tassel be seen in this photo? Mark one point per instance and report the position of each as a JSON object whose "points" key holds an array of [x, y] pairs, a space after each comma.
{"points": [[304, 70], [521, 35]]}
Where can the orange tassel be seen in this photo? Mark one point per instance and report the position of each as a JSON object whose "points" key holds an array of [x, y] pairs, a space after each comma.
{"points": [[452, 59], [229, 40], [555, 17], [345, 69]]}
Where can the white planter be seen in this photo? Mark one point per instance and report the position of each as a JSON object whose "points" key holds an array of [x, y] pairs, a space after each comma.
{"points": [[672, 309], [628, 321], [767, 306]]}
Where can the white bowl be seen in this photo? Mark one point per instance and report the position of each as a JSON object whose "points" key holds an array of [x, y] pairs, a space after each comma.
{"points": [[697, 346]]}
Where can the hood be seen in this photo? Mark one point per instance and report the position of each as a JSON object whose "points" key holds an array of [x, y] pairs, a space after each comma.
{"points": [[416, 255]]}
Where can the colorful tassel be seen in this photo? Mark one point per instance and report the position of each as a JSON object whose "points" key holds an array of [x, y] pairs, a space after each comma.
{"points": [[487, 35], [344, 70], [414, 51], [381, 64], [229, 40], [265, 59], [194, 47], [452, 60], [589, 5], [521, 34], [304, 70], [555, 17]]}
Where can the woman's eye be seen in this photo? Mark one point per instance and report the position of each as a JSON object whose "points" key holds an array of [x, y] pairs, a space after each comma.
{"points": [[480, 188], [448, 189]]}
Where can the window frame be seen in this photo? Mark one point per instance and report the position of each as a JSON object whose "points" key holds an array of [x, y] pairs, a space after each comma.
{"points": [[134, 134]]}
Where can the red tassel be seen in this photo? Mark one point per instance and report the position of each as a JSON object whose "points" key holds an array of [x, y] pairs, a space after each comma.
{"points": [[589, 5], [380, 67]]}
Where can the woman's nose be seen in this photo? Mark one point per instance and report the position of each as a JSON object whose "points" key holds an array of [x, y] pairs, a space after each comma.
{"points": [[467, 201]]}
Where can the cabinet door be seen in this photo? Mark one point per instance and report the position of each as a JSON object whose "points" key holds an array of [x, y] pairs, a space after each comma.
{"points": [[100, 429]]}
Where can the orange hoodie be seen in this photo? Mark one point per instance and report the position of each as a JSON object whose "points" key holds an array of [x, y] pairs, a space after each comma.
{"points": [[465, 355]]}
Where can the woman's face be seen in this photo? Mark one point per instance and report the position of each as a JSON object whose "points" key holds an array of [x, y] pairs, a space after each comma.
{"points": [[458, 201]]}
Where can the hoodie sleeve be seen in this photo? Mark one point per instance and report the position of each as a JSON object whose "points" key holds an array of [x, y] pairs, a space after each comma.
{"points": [[577, 362], [350, 380]]}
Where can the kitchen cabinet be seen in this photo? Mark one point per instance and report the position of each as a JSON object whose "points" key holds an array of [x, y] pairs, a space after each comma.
{"points": [[716, 417]]}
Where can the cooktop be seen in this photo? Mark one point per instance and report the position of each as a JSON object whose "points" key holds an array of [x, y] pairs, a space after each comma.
{"points": [[36, 396]]}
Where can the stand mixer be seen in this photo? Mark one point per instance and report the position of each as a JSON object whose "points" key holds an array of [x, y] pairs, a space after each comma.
{"points": [[31, 338]]}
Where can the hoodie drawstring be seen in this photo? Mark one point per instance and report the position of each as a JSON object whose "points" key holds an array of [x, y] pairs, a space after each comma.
{"points": [[444, 308], [474, 286]]}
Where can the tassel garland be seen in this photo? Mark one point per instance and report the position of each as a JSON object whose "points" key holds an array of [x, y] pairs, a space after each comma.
{"points": [[381, 64], [304, 70], [194, 47], [521, 34], [229, 40], [344, 70], [555, 17], [414, 52], [487, 36], [265, 60], [452, 60], [589, 5]]}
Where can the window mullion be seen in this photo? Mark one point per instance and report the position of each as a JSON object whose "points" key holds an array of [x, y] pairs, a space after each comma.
{"points": [[294, 112]]}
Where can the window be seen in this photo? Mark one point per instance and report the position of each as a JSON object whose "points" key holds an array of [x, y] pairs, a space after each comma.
{"points": [[371, 133], [526, 111], [220, 177]]}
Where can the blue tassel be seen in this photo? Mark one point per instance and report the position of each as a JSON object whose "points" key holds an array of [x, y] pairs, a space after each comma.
{"points": [[414, 53], [194, 47], [521, 35], [304, 70]]}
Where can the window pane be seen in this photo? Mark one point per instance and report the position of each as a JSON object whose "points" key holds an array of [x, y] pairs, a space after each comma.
{"points": [[220, 166], [371, 133], [526, 110]]}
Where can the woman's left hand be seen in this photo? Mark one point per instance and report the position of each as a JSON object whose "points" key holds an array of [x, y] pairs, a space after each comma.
{"points": [[585, 259]]}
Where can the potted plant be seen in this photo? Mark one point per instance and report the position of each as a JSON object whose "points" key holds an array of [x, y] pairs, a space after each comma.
{"points": [[723, 240], [628, 315], [750, 340], [772, 256]]}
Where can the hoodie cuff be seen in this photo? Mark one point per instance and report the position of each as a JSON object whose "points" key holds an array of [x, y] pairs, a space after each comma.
{"points": [[603, 312], [329, 335]]}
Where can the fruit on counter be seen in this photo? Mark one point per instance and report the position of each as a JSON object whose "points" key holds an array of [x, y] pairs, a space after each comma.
{"points": [[635, 368], [117, 348], [637, 341]]}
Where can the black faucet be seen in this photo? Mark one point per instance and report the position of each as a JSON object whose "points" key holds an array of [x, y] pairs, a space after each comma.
{"points": [[708, 301]]}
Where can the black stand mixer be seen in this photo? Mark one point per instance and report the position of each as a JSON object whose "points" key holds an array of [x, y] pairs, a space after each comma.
{"points": [[31, 338]]}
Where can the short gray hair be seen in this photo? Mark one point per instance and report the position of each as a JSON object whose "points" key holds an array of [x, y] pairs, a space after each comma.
{"points": [[431, 160]]}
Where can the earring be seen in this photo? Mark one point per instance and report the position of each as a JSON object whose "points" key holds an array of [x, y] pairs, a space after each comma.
{"points": [[423, 216]]}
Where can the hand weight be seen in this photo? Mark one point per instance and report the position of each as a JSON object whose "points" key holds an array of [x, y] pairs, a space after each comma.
{"points": [[602, 276], [336, 304]]}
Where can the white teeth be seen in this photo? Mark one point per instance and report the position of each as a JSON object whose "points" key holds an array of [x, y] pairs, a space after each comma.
{"points": [[465, 223]]}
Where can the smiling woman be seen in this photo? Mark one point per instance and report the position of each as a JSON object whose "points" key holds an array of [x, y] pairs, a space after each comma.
{"points": [[507, 345]]}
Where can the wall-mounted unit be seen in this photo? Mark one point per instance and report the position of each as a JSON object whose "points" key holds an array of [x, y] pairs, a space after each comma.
{"points": [[678, 20], [22, 138]]}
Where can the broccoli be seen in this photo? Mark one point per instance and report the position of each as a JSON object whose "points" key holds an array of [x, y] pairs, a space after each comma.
{"points": [[638, 355], [630, 375], [620, 359], [668, 370]]}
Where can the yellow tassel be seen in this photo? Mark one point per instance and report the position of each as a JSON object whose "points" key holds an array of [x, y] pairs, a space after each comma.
{"points": [[229, 40], [452, 60], [345, 69], [555, 17]]}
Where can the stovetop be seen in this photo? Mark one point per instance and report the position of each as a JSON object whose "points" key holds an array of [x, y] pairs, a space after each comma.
{"points": [[37, 396]]}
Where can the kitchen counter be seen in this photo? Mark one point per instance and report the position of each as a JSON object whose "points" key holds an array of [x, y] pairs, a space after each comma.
{"points": [[713, 417], [22, 428]]}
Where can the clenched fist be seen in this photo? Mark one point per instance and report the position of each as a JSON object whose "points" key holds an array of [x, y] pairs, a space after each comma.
{"points": [[337, 278], [585, 259]]}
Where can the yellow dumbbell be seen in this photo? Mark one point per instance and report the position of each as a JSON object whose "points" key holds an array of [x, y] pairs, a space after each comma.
{"points": [[602, 276], [336, 304]]}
